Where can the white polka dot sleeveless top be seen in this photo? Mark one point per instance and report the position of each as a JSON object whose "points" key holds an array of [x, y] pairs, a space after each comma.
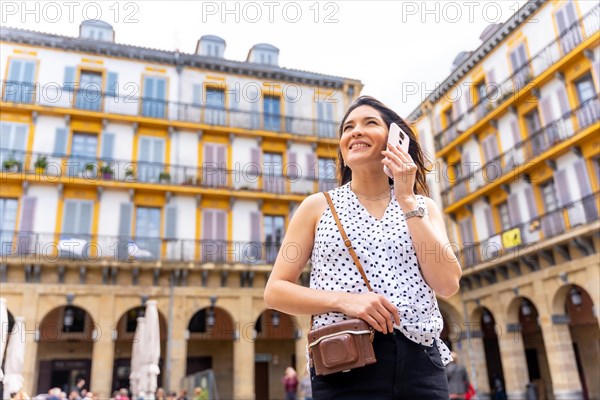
{"points": [[385, 250]]}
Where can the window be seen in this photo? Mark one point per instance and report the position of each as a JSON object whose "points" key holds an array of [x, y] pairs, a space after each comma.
{"points": [[549, 196], [13, 139], [568, 29], [326, 125], [448, 115], [150, 158], [481, 90], [89, 96], [272, 172], [8, 223], [155, 95], [83, 154], [585, 88], [19, 87], [272, 113], [518, 61], [504, 216], [147, 233], [532, 122], [215, 106], [77, 221], [274, 226], [327, 174]]}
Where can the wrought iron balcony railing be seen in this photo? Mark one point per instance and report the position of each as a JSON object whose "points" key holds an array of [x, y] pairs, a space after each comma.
{"points": [[91, 98], [82, 247], [251, 176], [557, 131], [542, 227], [582, 29]]}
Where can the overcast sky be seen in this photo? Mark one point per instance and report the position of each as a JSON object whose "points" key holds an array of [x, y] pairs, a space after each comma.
{"points": [[385, 44]]}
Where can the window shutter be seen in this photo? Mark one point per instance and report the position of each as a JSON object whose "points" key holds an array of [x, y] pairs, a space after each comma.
{"points": [[312, 168], [209, 156], [69, 78], [596, 74], [171, 222], [207, 225], [255, 228], [491, 228], [492, 85], [197, 95], [466, 165], [125, 214], [583, 178], [60, 141], [438, 124], [547, 110], [531, 204], [487, 148], [292, 167], [107, 145], [69, 227], [112, 85], [28, 214], [466, 231], [513, 209], [159, 151], [256, 165], [562, 184], [221, 225], [563, 101], [20, 137], [516, 133], [85, 217], [15, 71]]}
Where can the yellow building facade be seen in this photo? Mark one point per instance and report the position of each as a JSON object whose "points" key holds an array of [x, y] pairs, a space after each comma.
{"points": [[515, 133], [131, 174]]}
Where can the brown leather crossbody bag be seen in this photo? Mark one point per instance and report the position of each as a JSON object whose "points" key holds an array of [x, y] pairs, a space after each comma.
{"points": [[344, 345]]}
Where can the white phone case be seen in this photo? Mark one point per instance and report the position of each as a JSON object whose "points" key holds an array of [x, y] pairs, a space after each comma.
{"points": [[394, 139]]}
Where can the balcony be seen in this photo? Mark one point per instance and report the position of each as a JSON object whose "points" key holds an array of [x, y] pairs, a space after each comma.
{"points": [[555, 132], [54, 96], [82, 248], [556, 50], [540, 228], [210, 175]]}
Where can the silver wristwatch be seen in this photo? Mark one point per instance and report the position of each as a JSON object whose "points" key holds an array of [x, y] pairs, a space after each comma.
{"points": [[419, 212]]}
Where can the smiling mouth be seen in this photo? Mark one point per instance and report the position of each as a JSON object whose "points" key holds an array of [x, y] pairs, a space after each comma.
{"points": [[359, 146]]}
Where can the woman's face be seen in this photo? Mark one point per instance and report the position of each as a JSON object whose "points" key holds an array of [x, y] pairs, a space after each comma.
{"points": [[364, 136]]}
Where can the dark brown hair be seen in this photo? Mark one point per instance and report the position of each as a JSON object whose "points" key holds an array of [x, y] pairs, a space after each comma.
{"points": [[389, 116]]}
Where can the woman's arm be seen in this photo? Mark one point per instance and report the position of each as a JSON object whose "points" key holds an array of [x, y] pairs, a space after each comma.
{"points": [[283, 294], [439, 265]]}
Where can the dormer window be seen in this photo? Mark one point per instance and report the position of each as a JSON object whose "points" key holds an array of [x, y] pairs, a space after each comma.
{"points": [[96, 30], [264, 53], [211, 46]]}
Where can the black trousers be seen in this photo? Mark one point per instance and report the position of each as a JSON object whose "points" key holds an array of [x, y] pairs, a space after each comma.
{"points": [[404, 370]]}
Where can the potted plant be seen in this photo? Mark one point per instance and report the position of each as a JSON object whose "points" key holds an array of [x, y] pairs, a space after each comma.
{"points": [[88, 170], [129, 174], [190, 180], [164, 177], [106, 171], [40, 164], [11, 165]]}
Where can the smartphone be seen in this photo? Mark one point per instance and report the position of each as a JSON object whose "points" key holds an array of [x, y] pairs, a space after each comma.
{"points": [[394, 138]]}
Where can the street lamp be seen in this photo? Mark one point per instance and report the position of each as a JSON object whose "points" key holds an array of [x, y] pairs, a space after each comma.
{"points": [[275, 318], [68, 318], [487, 317], [210, 313], [526, 308], [576, 298]]}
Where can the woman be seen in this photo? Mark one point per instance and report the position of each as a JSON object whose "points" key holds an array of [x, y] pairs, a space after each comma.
{"points": [[405, 259], [290, 383]]}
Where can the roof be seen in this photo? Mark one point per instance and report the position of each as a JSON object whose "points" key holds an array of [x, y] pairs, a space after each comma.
{"points": [[477, 55], [102, 48], [213, 38], [97, 23]]}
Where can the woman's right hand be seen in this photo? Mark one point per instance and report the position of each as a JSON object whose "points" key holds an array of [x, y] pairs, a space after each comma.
{"points": [[372, 308]]}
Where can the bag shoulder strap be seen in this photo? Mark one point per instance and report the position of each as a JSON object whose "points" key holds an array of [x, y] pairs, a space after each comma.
{"points": [[347, 241]]}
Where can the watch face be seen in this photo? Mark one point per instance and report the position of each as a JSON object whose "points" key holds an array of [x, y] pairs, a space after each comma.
{"points": [[421, 211]]}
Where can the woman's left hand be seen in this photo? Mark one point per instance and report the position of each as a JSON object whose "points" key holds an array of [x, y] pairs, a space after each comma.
{"points": [[404, 169]]}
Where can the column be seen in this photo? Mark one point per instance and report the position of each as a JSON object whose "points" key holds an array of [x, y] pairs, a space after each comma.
{"points": [[301, 342], [514, 362], [103, 353], [243, 353], [478, 363], [32, 322], [178, 344], [561, 360]]}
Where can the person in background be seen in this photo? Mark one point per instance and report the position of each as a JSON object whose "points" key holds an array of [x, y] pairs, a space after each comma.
{"points": [[458, 379], [80, 387], [182, 395], [290, 383], [123, 394], [200, 394], [498, 388], [305, 387], [160, 394]]}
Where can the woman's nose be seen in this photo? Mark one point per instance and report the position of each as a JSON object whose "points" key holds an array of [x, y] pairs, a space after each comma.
{"points": [[357, 131]]}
